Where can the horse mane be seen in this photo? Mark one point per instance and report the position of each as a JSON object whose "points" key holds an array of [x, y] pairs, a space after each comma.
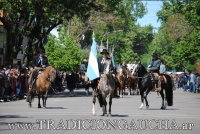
{"points": [[143, 70]]}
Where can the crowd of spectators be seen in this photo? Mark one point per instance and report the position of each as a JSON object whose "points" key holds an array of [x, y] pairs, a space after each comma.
{"points": [[189, 82], [13, 82]]}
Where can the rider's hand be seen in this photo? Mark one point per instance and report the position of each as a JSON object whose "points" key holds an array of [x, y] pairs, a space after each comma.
{"points": [[43, 66]]}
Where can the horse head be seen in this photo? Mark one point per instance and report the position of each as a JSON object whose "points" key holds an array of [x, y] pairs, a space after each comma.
{"points": [[107, 67], [51, 71], [120, 71], [139, 70]]}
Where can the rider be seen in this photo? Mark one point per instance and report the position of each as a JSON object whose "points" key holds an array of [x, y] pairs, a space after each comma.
{"points": [[102, 66], [154, 68], [102, 60], [40, 62]]}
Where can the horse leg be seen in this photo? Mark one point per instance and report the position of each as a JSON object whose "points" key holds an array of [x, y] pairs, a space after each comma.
{"points": [[39, 106], [110, 104], [121, 92], [163, 100], [94, 101], [29, 99], [129, 89], [104, 106], [142, 100], [145, 97], [45, 98]]}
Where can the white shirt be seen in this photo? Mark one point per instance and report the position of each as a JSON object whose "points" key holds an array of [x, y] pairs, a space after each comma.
{"points": [[162, 69]]}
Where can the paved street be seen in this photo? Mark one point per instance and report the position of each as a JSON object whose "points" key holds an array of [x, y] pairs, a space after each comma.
{"points": [[65, 115]]}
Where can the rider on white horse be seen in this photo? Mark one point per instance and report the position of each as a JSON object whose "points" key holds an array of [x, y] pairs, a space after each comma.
{"points": [[105, 65]]}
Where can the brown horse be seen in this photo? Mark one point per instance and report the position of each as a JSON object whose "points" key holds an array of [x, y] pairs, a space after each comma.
{"points": [[131, 82], [85, 83], [42, 85], [121, 79]]}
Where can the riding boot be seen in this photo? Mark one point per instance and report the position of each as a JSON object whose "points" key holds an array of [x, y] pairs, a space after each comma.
{"points": [[31, 83], [158, 86]]}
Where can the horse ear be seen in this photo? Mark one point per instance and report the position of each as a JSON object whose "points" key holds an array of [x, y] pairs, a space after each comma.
{"points": [[139, 62]]}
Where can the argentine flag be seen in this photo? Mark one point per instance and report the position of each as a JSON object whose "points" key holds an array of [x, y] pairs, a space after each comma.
{"points": [[93, 69]]}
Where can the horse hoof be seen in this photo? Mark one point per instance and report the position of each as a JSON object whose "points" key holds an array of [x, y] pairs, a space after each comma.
{"points": [[141, 106], [94, 114], [30, 105], [109, 115], [163, 108], [104, 114], [39, 107], [147, 107]]}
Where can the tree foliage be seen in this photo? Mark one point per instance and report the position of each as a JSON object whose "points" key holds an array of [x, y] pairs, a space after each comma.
{"points": [[177, 41], [34, 19], [64, 52]]}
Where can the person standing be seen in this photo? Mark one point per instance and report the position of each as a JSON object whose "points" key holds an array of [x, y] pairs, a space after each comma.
{"points": [[192, 82], [162, 68]]}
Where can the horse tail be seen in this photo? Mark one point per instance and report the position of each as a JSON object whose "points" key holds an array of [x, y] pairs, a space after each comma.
{"points": [[169, 91]]}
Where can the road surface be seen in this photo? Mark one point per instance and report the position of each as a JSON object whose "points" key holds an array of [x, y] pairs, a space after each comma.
{"points": [[66, 115]]}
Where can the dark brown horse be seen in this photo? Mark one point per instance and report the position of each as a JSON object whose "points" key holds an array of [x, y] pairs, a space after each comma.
{"points": [[146, 84], [42, 85]]}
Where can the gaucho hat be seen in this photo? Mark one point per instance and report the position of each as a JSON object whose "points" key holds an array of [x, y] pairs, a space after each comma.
{"points": [[104, 51]]}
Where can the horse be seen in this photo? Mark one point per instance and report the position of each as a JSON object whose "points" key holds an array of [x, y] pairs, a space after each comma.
{"points": [[121, 79], [105, 88], [42, 85], [131, 82], [85, 82], [146, 84]]}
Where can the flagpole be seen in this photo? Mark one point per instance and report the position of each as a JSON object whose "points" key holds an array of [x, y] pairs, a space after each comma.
{"points": [[93, 36]]}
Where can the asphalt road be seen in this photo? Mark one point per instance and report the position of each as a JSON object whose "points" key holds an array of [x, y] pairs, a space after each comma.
{"points": [[65, 114]]}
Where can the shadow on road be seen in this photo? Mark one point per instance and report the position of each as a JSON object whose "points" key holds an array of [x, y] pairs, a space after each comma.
{"points": [[119, 115], [161, 109], [11, 116], [55, 108]]}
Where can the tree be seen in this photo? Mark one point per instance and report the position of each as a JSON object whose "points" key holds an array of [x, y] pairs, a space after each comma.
{"points": [[34, 19], [63, 53], [177, 41]]}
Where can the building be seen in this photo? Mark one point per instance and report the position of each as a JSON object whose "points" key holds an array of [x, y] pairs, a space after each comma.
{"points": [[2, 41]]}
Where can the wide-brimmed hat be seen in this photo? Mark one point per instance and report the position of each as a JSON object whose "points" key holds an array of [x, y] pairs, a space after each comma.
{"points": [[154, 54], [104, 51], [40, 51]]}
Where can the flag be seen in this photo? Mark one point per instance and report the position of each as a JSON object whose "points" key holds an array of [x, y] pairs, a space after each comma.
{"points": [[93, 69]]}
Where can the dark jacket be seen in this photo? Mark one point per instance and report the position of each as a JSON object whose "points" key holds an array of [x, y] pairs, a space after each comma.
{"points": [[102, 66], [37, 62], [155, 65]]}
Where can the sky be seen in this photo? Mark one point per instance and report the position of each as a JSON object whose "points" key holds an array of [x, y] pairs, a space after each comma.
{"points": [[150, 18]]}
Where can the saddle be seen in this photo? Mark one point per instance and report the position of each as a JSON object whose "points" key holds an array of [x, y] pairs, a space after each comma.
{"points": [[157, 80]]}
